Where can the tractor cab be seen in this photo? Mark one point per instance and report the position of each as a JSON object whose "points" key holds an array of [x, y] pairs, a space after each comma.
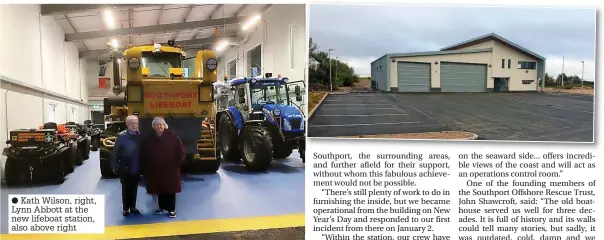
{"points": [[161, 61], [270, 96]]}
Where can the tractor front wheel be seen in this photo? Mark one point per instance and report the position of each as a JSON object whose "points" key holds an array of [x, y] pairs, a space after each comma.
{"points": [[282, 149], [257, 148], [228, 139]]}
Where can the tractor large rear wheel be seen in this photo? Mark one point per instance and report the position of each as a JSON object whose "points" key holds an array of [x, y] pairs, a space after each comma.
{"points": [[228, 139], [257, 148]]}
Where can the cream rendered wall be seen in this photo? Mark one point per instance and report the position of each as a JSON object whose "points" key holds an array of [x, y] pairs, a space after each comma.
{"points": [[273, 33], [516, 75], [33, 52], [481, 58], [483, 45]]}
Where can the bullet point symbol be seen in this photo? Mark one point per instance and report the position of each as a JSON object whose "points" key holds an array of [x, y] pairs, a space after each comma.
{"points": [[15, 200]]}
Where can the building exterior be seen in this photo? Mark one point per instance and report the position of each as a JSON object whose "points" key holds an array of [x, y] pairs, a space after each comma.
{"points": [[484, 64]]}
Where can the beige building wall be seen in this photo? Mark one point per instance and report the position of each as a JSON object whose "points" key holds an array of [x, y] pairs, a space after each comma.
{"points": [[481, 58], [515, 75], [483, 45]]}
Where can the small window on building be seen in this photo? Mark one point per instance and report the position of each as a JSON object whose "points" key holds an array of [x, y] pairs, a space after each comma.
{"points": [[52, 112], [527, 81], [232, 69], [254, 62], [509, 63], [527, 65], [502, 63], [73, 114]]}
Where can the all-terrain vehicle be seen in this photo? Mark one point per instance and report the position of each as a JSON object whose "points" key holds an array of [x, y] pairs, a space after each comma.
{"points": [[66, 137], [81, 137], [35, 155], [94, 133], [260, 122]]}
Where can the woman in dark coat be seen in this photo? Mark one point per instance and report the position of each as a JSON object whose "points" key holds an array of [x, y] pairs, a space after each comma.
{"points": [[162, 154]]}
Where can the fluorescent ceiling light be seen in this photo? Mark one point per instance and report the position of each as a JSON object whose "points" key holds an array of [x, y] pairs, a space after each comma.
{"points": [[251, 22], [109, 19], [222, 45], [114, 43]]}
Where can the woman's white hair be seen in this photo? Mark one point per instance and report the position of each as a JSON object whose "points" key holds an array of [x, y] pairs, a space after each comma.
{"points": [[159, 120]]}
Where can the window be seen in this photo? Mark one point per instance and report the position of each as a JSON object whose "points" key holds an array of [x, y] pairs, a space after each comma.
{"points": [[52, 112], [509, 63], [159, 65], [73, 114], [291, 47], [254, 61], [502, 63], [527, 81], [232, 69], [527, 65], [188, 66]]}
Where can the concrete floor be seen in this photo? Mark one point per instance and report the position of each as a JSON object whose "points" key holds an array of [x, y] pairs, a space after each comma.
{"points": [[231, 193], [493, 116]]}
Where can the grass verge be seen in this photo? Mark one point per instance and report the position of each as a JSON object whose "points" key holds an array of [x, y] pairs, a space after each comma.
{"points": [[314, 98]]}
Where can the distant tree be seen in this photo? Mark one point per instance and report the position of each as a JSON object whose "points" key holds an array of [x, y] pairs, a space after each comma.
{"points": [[319, 73]]}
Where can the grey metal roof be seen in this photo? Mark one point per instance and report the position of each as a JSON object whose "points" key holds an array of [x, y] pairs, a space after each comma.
{"points": [[493, 36], [415, 54]]}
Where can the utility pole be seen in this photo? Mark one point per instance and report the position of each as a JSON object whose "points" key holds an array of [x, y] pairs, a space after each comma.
{"points": [[329, 57], [582, 72], [337, 63]]}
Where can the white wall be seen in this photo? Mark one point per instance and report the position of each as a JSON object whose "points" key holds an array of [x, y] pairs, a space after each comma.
{"points": [[273, 33], [33, 52]]}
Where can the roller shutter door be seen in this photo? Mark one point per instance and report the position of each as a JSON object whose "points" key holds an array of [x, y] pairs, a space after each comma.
{"points": [[413, 77], [461, 77]]}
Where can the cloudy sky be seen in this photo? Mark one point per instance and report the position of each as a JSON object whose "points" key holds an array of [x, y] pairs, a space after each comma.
{"points": [[362, 33]]}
